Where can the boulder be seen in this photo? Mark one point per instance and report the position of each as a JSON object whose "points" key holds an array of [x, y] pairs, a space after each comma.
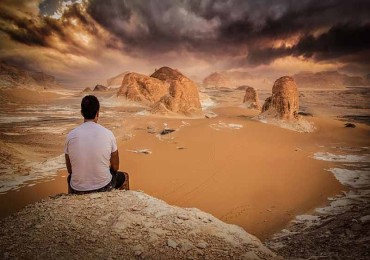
{"points": [[166, 90], [284, 102], [217, 80], [182, 96], [142, 88], [251, 98], [100, 88]]}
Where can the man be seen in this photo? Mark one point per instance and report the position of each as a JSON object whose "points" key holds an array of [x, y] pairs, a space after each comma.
{"points": [[91, 154]]}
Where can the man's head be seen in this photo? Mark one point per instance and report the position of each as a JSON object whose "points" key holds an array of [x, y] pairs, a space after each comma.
{"points": [[90, 107]]}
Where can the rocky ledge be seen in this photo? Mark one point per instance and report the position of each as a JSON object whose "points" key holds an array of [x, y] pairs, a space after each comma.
{"points": [[122, 225]]}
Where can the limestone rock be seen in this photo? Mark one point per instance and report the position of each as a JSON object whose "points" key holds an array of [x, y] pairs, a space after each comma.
{"points": [[150, 233], [284, 102], [141, 88], [116, 80], [217, 80], [251, 98], [100, 88], [13, 77], [166, 90]]}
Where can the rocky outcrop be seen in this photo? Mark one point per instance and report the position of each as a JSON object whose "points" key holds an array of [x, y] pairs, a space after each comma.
{"points": [[100, 88], [182, 96], [217, 80], [166, 90], [251, 98], [282, 108], [142, 88], [87, 90], [122, 225], [284, 102], [13, 77], [116, 81], [328, 79]]}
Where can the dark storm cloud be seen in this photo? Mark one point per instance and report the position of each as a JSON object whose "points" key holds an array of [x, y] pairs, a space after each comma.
{"points": [[341, 40], [41, 31], [222, 25], [314, 29]]}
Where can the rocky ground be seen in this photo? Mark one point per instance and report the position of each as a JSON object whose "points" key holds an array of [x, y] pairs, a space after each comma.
{"points": [[338, 235], [123, 225], [341, 229]]}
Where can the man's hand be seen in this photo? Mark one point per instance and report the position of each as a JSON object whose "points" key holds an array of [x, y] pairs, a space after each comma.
{"points": [[68, 164], [114, 161]]}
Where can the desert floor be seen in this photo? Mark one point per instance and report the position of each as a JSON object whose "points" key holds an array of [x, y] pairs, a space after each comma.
{"points": [[245, 172]]}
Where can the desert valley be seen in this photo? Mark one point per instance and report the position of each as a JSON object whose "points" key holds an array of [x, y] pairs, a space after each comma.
{"points": [[232, 129], [282, 174]]}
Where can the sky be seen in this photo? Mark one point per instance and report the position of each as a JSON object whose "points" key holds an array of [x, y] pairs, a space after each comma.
{"points": [[84, 42]]}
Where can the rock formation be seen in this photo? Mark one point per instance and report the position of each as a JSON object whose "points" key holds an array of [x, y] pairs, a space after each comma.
{"points": [[116, 80], [328, 79], [142, 88], [284, 102], [122, 225], [100, 88], [13, 77], [251, 98], [87, 90], [166, 90], [217, 80]]}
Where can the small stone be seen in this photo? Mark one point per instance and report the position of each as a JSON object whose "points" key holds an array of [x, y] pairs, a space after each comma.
{"points": [[38, 226], [171, 243], [123, 236], [95, 196], [183, 217], [202, 245], [138, 250]]}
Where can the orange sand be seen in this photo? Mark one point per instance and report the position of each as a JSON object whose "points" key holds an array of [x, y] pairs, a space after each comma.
{"points": [[254, 177]]}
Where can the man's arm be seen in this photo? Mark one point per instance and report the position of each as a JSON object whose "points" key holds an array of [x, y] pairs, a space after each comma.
{"points": [[114, 161], [68, 164]]}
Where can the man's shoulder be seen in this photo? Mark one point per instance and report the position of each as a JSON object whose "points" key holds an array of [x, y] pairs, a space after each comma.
{"points": [[103, 129]]}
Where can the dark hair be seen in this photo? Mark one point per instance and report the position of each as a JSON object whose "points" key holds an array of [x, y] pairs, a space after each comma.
{"points": [[89, 107]]}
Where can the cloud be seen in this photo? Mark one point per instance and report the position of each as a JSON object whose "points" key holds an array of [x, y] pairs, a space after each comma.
{"points": [[215, 34]]}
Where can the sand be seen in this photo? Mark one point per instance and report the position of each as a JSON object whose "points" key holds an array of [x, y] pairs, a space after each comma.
{"points": [[255, 175]]}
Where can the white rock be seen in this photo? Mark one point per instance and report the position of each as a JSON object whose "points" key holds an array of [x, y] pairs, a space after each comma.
{"points": [[95, 196], [171, 243]]}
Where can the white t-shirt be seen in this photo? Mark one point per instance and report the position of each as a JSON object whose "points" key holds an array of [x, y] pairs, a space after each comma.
{"points": [[89, 147]]}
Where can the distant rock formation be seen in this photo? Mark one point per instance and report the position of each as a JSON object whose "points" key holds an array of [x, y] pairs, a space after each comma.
{"points": [[328, 79], [233, 79], [116, 81], [13, 77], [284, 102], [251, 98], [217, 80], [122, 225], [242, 87], [100, 88], [166, 90], [282, 108], [87, 90]]}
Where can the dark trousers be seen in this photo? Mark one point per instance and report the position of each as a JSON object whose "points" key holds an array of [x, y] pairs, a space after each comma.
{"points": [[120, 180]]}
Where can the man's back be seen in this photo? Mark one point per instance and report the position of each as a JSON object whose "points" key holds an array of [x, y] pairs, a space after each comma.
{"points": [[89, 148]]}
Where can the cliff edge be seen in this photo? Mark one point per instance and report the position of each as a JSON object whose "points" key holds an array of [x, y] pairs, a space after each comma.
{"points": [[123, 225]]}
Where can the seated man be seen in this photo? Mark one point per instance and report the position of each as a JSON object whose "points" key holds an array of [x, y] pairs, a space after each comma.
{"points": [[91, 154]]}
